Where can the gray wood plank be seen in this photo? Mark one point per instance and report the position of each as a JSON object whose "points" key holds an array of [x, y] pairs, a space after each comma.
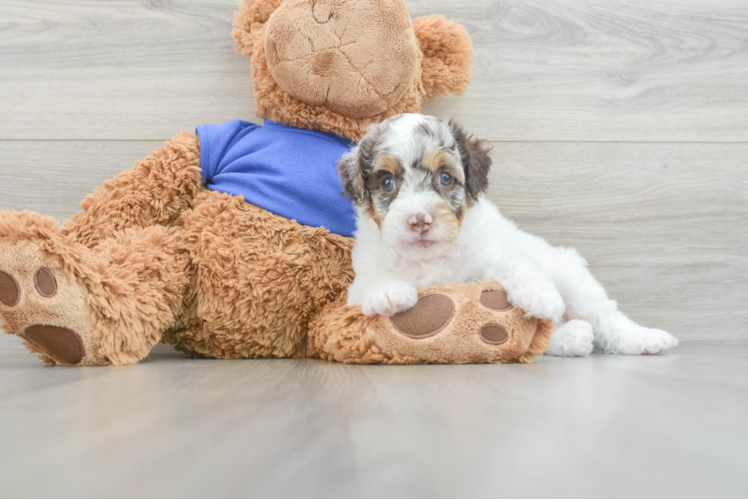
{"points": [[663, 226], [547, 69]]}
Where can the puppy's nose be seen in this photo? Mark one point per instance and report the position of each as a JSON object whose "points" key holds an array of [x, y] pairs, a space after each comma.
{"points": [[420, 222]]}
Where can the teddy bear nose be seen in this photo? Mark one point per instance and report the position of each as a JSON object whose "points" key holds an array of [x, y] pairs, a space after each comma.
{"points": [[420, 222], [323, 10], [322, 64]]}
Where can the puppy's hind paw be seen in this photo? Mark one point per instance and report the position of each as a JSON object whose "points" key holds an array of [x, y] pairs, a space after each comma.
{"points": [[574, 338], [641, 340], [538, 301], [389, 298]]}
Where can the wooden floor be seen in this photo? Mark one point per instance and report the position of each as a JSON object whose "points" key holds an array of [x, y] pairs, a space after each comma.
{"points": [[604, 426], [620, 127]]}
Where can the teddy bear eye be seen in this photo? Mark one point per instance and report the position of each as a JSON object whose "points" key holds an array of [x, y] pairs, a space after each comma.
{"points": [[445, 179], [388, 185]]}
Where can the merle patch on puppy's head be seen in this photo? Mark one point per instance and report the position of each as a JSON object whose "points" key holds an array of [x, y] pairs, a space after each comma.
{"points": [[415, 176]]}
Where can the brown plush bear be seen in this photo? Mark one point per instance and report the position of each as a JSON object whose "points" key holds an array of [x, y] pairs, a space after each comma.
{"points": [[155, 256]]}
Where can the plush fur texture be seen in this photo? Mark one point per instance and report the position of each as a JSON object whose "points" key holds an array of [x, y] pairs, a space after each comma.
{"points": [[117, 297], [154, 257], [443, 56], [155, 192], [422, 221], [226, 280], [447, 55]]}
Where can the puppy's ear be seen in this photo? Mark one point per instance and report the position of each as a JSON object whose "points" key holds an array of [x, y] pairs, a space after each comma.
{"points": [[355, 167], [476, 161], [349, 170]]}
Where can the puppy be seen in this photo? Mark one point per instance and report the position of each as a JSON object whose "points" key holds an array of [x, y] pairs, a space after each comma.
{"points": [[418, 185]]}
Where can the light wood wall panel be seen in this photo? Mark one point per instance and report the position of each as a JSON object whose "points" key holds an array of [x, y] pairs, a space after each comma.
{"points": [[547, 70], [663, 226], [53, 177]]}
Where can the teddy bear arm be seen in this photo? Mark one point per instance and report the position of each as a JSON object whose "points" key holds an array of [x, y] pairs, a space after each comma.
{"points": [[154, 192]]}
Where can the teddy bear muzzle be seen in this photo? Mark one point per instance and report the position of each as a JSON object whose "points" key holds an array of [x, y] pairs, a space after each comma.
{"points": [[356, 57]]}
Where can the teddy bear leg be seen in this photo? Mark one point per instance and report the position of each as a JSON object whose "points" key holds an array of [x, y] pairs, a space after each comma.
{"points": [[259, 277], [154, 192], [77, 306], [457, 323]]}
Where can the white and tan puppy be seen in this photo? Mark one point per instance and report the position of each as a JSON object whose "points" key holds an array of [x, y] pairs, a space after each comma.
{"points": [[417, 183]]}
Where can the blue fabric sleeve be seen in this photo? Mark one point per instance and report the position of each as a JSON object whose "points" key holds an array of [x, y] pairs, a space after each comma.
{"points": [[216, 140]]}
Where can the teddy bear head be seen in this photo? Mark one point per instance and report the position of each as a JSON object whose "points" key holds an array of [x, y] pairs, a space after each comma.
{"points": [[339, 65]]}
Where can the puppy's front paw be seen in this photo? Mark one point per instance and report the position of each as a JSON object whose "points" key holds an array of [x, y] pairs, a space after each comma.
{"points": [[388, 299], [538, 301]]}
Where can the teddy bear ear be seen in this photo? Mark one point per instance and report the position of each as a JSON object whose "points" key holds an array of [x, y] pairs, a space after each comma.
{"points": [[252, 15], [447, 55]]}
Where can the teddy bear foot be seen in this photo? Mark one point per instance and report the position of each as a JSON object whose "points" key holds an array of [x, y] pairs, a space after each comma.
{"points": [[39, 301], [458, 323]]}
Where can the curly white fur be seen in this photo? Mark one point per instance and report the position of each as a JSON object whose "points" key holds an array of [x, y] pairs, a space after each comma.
{"points": [[547, 282]]}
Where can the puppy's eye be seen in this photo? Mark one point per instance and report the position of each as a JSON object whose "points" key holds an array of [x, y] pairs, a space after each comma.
{"points": [[445, 179], [388, 185]]}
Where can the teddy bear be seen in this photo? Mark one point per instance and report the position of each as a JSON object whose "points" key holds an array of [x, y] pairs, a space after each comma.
{"points": [[234, 241]]}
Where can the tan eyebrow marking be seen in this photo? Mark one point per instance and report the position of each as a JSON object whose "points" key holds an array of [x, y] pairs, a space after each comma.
{"points": [[435, 159], [389, 164]]}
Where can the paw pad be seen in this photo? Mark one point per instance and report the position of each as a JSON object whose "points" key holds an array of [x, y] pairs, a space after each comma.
{"points": [[62, 344], [494, 334], [45, 283], [10, 294], [495, 300], [427, 318], [433, 313]]}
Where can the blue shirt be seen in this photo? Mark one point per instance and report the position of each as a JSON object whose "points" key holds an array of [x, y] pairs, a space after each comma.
{"points": [[289, 171]]}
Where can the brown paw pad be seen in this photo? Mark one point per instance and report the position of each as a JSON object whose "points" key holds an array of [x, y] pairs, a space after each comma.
{"points": [[495, 300], [427, 318], [494, 334], [45, 283], [10, 293], [61, 344]]}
